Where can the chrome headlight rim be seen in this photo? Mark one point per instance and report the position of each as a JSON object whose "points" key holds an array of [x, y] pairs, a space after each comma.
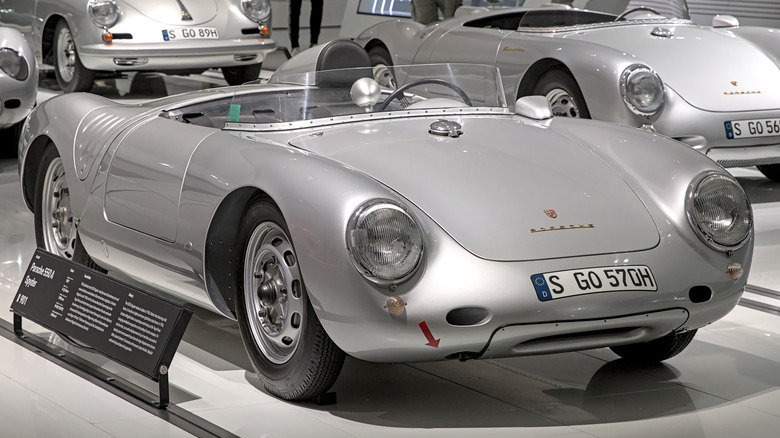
{"points": [[258, 11], [629, 78], [13, 64], [708, 238], [355, 223], [104, 13]]}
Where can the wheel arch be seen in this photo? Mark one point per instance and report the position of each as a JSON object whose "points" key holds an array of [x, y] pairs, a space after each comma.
{"points": [[47, 37], [29, 168], [219, 256], [375, 42], [535, 72]]}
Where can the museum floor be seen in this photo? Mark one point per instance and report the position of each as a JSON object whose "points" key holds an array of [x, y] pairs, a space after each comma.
{"points": [[726, 384]]}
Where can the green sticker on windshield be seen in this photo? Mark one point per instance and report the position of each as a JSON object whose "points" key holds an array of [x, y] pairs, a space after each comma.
{"points": [[235, 111]]}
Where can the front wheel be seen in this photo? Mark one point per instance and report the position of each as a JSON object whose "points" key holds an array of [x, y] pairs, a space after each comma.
{"points": [[656, 350], [771, 171], [563, 94], [55, 226], [241, 74], [290, 350], [71, 74], [381, 63]]}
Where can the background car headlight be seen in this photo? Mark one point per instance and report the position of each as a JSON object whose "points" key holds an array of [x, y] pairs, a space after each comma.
{"points": [[104, 13], [384, 242], [256, 10], [719, 211], [642, 89], [13, 64]]}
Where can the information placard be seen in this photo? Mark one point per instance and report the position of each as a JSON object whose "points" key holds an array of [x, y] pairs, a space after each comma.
{"points": [[126, 324]]}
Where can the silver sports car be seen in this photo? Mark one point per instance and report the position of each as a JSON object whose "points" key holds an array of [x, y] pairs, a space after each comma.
{"points": [[715, 88], [82, 37], [330, 216], [18, 86]]}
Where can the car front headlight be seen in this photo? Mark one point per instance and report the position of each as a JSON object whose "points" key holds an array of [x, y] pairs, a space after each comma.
{"points": [[256, 10], [104, 13], [384, 241], [642, 89], [719, 211], [13, 64]]}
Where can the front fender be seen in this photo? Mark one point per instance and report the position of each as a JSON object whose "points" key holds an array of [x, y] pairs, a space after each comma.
{"points": [[402, 38]]}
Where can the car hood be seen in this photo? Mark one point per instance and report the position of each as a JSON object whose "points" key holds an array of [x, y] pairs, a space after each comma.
{"points": [[504, 190], [172, 12], [705, 66]]}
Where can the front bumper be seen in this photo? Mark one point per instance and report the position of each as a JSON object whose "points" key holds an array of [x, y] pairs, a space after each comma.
{"points": [[163, 56]]}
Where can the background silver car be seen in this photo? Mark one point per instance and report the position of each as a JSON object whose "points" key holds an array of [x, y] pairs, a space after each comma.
{"points": [[430, 222], [715, 88], [82, 37], [18, 86]]}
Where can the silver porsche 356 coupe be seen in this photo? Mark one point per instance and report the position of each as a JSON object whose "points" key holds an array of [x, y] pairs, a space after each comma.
{"points": [[330, 216], [715, 88], [18, 86], [82, 37]]}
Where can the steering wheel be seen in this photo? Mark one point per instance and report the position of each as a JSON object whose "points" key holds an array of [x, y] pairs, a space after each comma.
{"points": [[399, 92], [623, 15]]}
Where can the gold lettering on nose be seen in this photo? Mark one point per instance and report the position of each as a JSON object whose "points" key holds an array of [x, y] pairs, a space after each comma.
{"points": [[562, 227]]}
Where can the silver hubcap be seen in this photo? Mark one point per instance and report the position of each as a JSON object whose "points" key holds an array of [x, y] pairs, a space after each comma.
{"points": [[384, 77], [59, 231], [562, 104], [273, 293], [66, 55]]}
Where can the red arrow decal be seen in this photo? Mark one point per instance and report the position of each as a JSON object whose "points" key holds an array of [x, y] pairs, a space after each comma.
{"points": [[428, 335]]}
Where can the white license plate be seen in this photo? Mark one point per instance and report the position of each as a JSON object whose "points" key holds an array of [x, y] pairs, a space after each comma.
{"points": [[190, 33], [561, 284], [752, 128]]}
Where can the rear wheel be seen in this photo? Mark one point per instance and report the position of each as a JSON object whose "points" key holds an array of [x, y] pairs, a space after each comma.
{"points": [[656, 350], [290, 350], [563, 94], [55, 226], [241, 74], [771, 171], [71, 74]]}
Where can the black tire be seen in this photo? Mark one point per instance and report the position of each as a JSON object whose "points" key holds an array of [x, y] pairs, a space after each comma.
{"points": [[563, 93], [71, 74], [241, 74], [380, 61], [290, 350], [656, 350], [55, 229], [771, 171]]}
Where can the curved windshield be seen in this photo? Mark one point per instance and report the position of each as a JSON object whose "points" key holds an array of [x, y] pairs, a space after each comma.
{"points": [[381, 90]]}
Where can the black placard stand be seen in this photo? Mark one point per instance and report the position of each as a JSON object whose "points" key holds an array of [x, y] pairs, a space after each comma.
{"points": [[122, 323]]}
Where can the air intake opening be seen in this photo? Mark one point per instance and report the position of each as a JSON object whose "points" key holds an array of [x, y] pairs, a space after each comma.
{"points": [[465, 316], [700, 294], [13, 103]]}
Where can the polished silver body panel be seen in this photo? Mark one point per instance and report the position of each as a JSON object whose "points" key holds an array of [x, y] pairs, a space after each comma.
{"points": [[17, 97], [145, 21], [711, 75], [157, 201]]}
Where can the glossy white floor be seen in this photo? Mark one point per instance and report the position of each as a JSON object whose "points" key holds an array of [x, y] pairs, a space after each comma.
{"points": [[726, 384]]}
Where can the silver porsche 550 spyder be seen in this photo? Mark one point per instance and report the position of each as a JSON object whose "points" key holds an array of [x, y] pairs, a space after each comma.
{"points": [[715, 88], [332, 216], [82, 37], [18, 85]]}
